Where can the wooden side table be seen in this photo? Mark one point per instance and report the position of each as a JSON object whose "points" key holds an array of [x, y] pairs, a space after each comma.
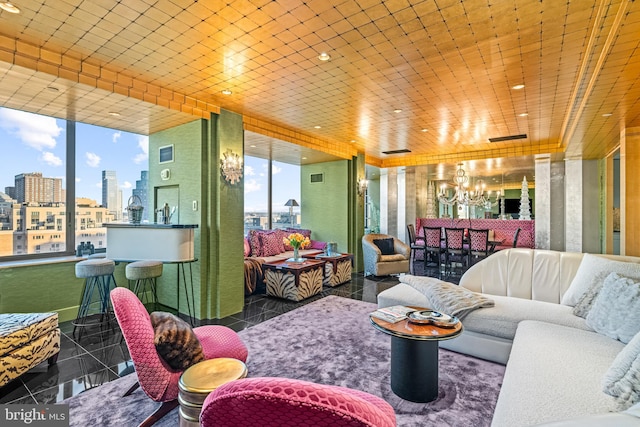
{"points": [[414, 356], [294, 280], [337, 269], [201, 379]]}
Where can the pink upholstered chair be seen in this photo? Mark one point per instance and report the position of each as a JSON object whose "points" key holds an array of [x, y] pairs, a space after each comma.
{"points": [[155, 377], [285, 402]]}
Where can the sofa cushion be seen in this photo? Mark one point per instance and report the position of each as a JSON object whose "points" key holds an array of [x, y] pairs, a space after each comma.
{"points": [[503, 318], [385, 245], [616, 310], [622, 380], [554, 372], [594, 269]]}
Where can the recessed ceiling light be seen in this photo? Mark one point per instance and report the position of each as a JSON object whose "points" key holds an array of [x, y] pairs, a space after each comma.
{"points": [[317, 127], [226, 92], [424, 130], [252, 146], [523, 114], [324, 56], [607, 115], [518, 87], [304, 158], [352, 141], [9, 7], [397, 110], [114, 113]]}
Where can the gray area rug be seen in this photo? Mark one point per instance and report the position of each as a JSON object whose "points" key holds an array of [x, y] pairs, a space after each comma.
{"points": [[328, 341]]}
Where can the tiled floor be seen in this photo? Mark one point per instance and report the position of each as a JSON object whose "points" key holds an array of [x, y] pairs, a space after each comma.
{"points": [[99, 357]]}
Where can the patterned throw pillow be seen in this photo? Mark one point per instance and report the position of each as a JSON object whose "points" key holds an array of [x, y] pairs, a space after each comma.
{"points": [[271, 243], [247, 248], [175, 341], [254, 242]]}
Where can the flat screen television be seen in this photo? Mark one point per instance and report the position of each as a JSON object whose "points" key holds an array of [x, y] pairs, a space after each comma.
{"points": [[512, 206]]}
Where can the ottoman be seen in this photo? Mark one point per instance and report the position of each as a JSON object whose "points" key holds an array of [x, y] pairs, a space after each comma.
{"points": [[26, 340]]}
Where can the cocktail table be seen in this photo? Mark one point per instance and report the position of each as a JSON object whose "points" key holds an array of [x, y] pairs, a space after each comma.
{"points": [[414, 356], [294, 280], [337, 269]]}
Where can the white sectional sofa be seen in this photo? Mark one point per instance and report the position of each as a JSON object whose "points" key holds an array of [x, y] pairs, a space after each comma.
{"points": [[555, 361]]}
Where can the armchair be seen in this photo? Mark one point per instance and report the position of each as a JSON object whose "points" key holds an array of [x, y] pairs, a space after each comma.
{"points": [[378, 264], [284, 401], [155, 377]]}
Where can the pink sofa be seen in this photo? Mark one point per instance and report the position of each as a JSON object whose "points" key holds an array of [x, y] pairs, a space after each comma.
{"points": [[262, 246], [269, 247]]}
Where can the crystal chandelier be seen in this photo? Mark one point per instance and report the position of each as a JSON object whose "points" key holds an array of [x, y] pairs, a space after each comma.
{"points": [[463, 196]]}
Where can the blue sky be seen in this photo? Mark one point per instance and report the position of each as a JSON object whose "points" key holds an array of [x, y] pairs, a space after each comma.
{"points": [[34, 143]]}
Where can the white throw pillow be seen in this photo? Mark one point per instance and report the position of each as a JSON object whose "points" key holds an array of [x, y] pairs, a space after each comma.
{"points": [[594, 269], [616, 310], [622, 380]]}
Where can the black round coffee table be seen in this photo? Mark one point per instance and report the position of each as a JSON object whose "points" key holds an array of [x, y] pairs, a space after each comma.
{"points": [[414, 356]]}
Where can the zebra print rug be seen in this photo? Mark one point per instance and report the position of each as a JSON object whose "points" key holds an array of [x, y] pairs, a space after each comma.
{"points": [[328, 341]]}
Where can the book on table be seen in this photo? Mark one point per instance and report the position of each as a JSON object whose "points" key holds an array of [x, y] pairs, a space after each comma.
{"points": [[392, 314]]}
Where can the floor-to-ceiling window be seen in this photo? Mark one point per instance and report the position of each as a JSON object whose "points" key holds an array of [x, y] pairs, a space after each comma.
{"points": [[263, 177], [109, 166]]}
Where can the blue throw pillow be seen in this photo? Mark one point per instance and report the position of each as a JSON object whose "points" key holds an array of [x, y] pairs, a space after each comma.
{"points": [[385, 245]]}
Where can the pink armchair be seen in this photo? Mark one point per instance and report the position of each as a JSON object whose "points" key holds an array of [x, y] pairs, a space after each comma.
{"points": [[287, 402], [155, 377]]}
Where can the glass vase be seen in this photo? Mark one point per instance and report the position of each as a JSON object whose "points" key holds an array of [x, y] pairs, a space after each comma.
{"points": [[296, 254]]}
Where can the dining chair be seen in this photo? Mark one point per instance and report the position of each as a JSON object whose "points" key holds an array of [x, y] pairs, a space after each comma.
{"points": [[434, 249], [415, 245], [515, 237], [455, 249], [479, 247]]}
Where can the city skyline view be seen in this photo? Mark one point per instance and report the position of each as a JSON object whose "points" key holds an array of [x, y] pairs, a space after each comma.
{"points": [[35, 143]]}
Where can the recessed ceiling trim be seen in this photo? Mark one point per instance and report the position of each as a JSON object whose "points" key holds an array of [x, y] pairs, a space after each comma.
{"points": [[508, 138]]}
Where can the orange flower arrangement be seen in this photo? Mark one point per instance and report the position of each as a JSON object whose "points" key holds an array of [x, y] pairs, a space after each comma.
{"points": [[296, 241]]}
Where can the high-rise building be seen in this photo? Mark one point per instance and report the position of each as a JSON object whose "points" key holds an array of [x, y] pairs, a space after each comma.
{"points": [[10, 191], [34, 188], [141, 190], [111, 194]]}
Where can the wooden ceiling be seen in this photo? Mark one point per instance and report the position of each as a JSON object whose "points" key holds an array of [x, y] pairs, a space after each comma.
{"points": [[449, 66]]}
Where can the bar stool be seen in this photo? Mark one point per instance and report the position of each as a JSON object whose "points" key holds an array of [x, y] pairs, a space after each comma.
{"points": [[98, 279], [144, 273]]}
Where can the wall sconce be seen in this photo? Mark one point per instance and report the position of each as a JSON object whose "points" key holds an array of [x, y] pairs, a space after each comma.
{"points": [[231, 167], [363, 184]]}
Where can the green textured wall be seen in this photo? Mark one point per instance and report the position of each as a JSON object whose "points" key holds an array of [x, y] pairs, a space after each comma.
{"points": [[225, 291], [45, 287], [325, 206], [186, 171]]}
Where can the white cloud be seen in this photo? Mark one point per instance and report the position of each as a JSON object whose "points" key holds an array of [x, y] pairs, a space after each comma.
{"points": [[51, 159], [116, 136], [275, 170], [248, 171], [35, 131], [93, 160], [143, 144], [78, 179], [126, 185], [251, 185]]}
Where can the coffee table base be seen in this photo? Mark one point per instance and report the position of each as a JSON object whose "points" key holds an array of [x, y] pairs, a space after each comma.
{"points": [[414, 369]]}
